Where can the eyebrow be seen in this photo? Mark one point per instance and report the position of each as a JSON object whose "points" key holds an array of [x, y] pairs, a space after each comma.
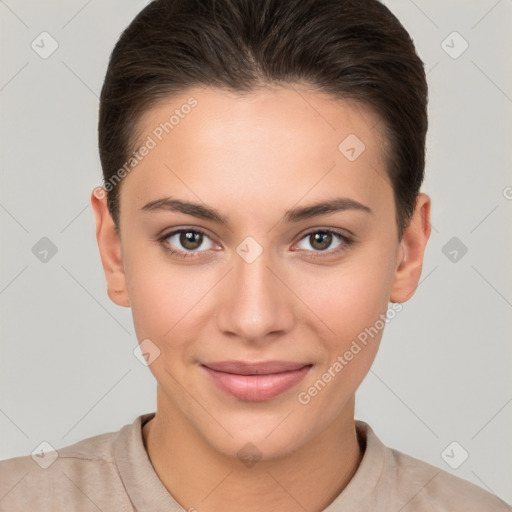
{"points": [[293, 215]]}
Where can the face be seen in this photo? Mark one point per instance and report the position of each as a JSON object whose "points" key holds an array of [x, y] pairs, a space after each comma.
{"points": [[258, 306]]}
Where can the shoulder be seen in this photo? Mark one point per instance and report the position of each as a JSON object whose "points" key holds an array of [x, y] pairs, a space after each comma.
{"points": [[75, 474], [427, 487], [388, 479]]}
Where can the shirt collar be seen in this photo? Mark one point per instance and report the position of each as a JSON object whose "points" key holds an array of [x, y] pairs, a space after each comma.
{"points": [[147, 493]]}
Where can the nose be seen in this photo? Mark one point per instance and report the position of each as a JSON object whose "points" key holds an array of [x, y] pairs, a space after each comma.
{"points": [[256, 306]]}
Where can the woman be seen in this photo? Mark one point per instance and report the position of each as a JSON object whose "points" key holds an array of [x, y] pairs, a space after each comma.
{"points": [[261, 215]]}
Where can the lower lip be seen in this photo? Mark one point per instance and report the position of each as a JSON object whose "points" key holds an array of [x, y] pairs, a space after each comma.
{"points": [[256, 388]]}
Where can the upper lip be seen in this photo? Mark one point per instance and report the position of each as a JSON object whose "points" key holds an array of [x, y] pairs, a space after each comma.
{"points": [[258, 368]]}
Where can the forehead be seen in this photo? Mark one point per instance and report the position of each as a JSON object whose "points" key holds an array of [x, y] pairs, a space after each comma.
{"points": [[280, 143]]}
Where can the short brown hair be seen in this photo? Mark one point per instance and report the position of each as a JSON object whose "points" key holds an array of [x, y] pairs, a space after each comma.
{"points": [[352, 49]]}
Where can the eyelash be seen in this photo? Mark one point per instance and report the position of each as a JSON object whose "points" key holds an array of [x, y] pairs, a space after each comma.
{"points": [[346, 243]]}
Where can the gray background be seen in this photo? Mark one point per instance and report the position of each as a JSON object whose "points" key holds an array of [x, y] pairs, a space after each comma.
{"points": [[442, 374]]}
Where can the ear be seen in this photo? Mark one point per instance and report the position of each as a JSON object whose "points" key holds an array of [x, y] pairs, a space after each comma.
{"points": [[411, 251], [109, 244]]}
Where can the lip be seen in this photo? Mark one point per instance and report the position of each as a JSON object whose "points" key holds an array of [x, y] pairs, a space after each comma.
{"points": [[256, 382]]}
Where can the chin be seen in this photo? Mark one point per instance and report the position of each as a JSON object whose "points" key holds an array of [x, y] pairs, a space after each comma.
{"points": [[251, 449], [258, 439]]}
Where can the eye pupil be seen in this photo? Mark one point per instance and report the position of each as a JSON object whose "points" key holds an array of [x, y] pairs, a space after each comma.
{"points": [[322, 238], [188, 238]]}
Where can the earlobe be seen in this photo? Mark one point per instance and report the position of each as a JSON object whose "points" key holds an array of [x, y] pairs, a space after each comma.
{"points": [[109, 245], [411, 252]]}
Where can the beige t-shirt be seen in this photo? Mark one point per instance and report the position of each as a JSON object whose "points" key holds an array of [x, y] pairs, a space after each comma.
{"points": [[112, 472]]}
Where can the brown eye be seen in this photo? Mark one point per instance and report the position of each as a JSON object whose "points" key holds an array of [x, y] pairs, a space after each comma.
{"points": [[191, 240], [186, 242], [321, 241]]}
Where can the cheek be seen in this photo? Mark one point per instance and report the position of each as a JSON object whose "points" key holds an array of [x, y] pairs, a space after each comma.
{"points": [[148, 293], [168, 303], [351, 303], [162, 303], [349, 298], [160, 295]]}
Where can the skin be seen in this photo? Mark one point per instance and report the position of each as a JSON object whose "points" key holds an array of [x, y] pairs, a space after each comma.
{"points": [[252, 158]]}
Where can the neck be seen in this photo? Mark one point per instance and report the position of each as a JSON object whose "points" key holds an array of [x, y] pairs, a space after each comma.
{"points": [[199, 477]]}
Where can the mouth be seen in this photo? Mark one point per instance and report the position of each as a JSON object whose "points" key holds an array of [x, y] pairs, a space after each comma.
{"points": [[256, 382]]}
